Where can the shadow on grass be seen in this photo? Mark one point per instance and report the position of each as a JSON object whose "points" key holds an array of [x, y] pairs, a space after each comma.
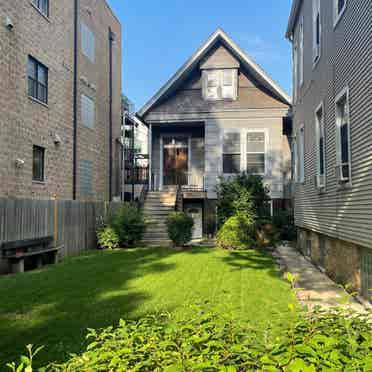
{"points": [[56, 305], [252, 259]]}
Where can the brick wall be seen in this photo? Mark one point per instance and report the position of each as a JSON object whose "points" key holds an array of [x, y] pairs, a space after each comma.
{"points": [[24, 122]]}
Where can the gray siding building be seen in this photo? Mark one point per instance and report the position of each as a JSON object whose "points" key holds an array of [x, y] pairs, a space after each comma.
{"points": [[219, 115], [332, 108]]}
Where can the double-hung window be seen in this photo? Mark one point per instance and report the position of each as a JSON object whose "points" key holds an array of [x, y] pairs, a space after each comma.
{"points": [[37, 80], [38, 160], [231, 153], [301, 155], [256, 152], [317, 31], [320, 147], [88, 42], [343, 169], [339, 7], [220, 84], [87, 111], [301, 52], [42, 6], [295, 71]]}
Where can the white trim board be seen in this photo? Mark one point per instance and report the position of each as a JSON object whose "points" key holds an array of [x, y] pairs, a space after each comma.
{"points": [[192, 62]]}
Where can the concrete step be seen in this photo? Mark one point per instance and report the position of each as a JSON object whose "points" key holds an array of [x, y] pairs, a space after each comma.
{"points": [[157, 243]]}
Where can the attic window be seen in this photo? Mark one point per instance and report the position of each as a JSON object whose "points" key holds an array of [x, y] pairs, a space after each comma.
{"points": [[220, 84]]}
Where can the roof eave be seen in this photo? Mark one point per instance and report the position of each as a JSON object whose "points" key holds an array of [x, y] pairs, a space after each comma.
{"points": [[195, 59], [292, 18]]}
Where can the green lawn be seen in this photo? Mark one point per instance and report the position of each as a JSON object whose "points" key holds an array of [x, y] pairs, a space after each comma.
{"points": [[55, 306]]}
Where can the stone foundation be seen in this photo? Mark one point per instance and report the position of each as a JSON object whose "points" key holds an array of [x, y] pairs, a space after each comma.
{"points": [[340, 260]]}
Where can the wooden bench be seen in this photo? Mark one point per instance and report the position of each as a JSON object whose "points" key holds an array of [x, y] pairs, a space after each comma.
{"points": [[17, 251]]}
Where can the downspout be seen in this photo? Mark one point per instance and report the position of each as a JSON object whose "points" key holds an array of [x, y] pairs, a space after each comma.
{"points": [[75, 93], [111, 40]]}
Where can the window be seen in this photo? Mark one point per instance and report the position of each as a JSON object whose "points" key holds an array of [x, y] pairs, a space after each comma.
{"points": [[343, 137], [87, 42], [301, 52], [301, 155], [42, 5], [231, 152], [320, 146], [294, 159], [220, 84], [339, 7], [256, 147], [86, 177], [317, 31], [37, 80], [295, 67], [87, 111], [38, 159]]}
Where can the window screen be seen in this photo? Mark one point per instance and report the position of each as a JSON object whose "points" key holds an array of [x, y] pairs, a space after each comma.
{"points": [[87, 42], [256, 153]]}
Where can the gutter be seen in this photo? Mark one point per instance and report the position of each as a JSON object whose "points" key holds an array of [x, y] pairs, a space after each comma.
{"points": [[296, 6], [111, 41], [75, 93]]}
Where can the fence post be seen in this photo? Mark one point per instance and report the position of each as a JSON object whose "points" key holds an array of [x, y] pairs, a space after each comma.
{"points": [[55, 220]]}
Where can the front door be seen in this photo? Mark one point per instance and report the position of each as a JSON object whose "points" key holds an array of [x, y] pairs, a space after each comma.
{"points": [[175, 160]]}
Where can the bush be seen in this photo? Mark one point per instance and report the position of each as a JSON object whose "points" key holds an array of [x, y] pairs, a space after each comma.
{"points": [[180, 227], [320, 341], [107, 238], [267, 234], [283, 221], [237, 233], [241, 194], [128, 223]]}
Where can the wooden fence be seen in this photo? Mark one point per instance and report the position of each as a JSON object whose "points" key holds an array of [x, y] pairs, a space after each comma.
{"points": [[71, 223]]}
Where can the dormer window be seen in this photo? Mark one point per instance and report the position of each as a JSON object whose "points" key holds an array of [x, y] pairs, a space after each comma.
{"points": [[220, 84]]}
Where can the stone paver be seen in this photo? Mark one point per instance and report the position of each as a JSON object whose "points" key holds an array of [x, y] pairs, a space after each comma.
{"points": [[316, 288]]}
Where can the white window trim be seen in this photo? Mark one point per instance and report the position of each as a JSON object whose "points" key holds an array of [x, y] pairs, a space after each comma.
{"points": [[337, 16], [219, 72], [295, 70], [244, 147], [295, 159], [344, 93], [161, 157], [301, 51], [301, 161], [232, 130], [266, 165], [317, 138], [318, 56]]}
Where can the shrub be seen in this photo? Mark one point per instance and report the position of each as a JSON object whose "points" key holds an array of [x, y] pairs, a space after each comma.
{"points": [[267, 235], [241, 194], [333, 340], [180, 227], [283, 221], [107, 238], [128, 223], [237, 233]]}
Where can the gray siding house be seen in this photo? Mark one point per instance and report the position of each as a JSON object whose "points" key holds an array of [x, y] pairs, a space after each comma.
{"points": [[332, 108], [219, 115]]}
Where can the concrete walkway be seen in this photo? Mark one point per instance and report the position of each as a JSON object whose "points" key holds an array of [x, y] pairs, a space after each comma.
{"points": [[316, 288]]}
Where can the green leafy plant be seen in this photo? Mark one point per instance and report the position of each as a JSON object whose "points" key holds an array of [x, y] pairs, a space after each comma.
{"points": [[237, 233], [322, 340], [25, 364], [241, 194], [180, 226], [128, 223], [108, 238]]}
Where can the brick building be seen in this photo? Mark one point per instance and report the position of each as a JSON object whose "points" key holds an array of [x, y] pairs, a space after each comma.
{"points": [[60, 99]]}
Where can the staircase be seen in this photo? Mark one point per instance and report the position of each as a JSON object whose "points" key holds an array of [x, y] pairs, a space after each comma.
{"points": [[158, 205]]}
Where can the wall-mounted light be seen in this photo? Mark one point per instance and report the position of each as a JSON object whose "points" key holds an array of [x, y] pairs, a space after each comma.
{"points": [[9, 24], [57, 139], [19, 163]]}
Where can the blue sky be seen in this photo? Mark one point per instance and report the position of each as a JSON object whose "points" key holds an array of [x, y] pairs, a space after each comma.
{"points": [[158, 37]]}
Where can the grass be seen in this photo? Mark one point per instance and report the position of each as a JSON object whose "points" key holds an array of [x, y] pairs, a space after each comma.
{"points": [[55, 306]]}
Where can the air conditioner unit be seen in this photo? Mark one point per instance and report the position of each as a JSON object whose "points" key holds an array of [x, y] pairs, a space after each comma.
{"points": [[342, 172], [319, 181]]}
